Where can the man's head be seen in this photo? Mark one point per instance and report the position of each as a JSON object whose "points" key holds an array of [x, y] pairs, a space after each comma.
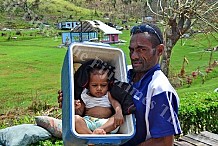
{"points": [[146, 47]]}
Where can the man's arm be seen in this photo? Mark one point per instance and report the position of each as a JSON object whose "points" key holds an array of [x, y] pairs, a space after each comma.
{"points": [[163, 141], [79, 107], [60, 98]]}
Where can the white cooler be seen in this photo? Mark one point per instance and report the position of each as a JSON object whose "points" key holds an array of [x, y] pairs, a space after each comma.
{"points": [[78, 53]]}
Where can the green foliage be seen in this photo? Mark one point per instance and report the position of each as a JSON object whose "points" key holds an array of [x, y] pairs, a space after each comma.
{"points": [[50, 142], [38, 105], [11, 119], [47, 11], [199, 112]]}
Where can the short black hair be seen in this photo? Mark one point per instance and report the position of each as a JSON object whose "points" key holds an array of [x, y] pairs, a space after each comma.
{"points": [[157, 29], [152, 29], [102, 67]]}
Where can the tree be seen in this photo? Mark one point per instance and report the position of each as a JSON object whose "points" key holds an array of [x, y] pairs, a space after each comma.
{"points": [[177, 18]]}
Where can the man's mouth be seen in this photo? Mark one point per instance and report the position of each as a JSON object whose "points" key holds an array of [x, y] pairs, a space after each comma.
{"points": [[136, 63]]}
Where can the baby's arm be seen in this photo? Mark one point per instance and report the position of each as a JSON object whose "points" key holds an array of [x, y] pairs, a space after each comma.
{"points": [[118, 116], [79, 107]]}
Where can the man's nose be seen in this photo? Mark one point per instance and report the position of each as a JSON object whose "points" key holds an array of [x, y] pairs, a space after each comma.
{"points": [[134, 55]]}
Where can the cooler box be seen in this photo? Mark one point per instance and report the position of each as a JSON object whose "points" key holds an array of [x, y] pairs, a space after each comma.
{"points": [[78, 53]]}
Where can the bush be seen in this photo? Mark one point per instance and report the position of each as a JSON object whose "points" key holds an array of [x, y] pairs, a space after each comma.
{"points": [[199, 112]]}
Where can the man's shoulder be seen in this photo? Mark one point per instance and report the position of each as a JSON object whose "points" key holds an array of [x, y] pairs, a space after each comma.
{"points": [[160, 83]]}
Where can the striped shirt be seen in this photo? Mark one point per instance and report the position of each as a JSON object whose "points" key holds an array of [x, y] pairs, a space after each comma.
{"points": [[156, 104]]}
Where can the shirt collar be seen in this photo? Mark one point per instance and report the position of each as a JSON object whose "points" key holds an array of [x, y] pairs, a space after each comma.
{"points": [[131, 73]]}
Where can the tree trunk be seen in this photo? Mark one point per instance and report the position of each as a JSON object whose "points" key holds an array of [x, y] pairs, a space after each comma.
{"points": [[171, 35], [165, 62]]}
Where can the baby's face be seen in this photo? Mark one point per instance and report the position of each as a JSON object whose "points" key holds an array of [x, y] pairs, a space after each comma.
{"points": [[98, 84]]}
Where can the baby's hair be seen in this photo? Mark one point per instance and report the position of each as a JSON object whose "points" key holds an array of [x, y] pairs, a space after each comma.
{"points": [[97, 71], [100, 67]]}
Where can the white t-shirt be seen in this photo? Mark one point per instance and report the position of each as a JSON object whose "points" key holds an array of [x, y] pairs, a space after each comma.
{"points": [[91, 101]]}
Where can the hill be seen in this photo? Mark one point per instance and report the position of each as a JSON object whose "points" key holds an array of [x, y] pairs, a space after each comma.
{"points": [[15, 14]]}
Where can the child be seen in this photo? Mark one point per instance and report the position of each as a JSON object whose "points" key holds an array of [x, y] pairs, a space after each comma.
{"points": [[97, 105]]}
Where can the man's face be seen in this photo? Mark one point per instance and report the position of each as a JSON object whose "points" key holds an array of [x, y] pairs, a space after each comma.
{"points": [[143, 56]]}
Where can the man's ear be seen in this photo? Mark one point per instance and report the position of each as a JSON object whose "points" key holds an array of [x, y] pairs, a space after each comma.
{"points": [[160, 49]]}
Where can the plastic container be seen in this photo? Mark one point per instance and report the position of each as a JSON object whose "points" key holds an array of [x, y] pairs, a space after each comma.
{"points": [[78, 53]]}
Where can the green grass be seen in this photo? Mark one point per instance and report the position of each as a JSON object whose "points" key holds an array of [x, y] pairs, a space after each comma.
{"points": [[124, 46], [194, 49], [31, 68]]}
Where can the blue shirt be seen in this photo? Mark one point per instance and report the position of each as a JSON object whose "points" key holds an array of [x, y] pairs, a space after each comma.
{"points": [[156, 104]]}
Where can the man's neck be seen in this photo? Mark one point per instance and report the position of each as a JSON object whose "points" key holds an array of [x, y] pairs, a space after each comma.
{"points": [[138, 76]]}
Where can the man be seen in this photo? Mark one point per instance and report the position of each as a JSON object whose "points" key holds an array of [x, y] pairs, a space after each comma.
{"points": [[156, 100]]}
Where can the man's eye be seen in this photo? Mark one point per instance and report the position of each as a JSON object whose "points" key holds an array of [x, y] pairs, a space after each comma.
{"points": [[131, 50], [142, 49], [94, 85]]}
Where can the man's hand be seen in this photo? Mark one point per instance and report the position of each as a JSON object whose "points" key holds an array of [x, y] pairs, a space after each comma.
{"points": [[77, 104], [60, 98]]}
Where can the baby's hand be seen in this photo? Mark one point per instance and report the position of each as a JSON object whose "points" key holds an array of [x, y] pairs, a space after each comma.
{"points": [[77, 104], [118, 119]]}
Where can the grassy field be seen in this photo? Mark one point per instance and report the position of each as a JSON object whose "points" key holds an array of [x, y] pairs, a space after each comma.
{"points": [[31, 68], [195, 50]]}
